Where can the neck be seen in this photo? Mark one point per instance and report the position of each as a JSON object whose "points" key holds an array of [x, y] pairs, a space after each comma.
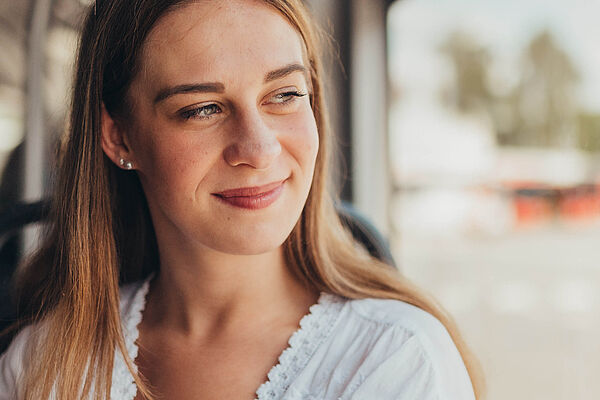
{"points": [[214, 292]]}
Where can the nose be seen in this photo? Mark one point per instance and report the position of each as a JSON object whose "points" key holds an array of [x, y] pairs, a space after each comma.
{"points": [[253, 143]]}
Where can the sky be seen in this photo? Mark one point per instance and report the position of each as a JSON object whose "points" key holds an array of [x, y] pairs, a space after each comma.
{"points": [[503, 25]]}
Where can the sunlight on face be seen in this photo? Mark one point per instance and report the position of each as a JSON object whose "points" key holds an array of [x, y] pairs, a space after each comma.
{"points": [[223, 134]]}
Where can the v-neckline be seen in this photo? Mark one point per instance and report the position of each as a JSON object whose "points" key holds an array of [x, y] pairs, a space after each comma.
{"points": [[314, 328]]}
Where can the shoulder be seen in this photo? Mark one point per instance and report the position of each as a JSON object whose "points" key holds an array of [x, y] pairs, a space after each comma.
{"points": [[13, 362], [411, 320], [407, 346], [395, 312]]}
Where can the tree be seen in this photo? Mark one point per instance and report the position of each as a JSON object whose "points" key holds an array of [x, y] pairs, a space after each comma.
{"points": [[540, 111], [546, 95], [469, 92]]}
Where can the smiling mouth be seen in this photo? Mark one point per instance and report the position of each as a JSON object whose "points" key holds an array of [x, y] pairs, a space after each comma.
{"points": [[253, 198]]}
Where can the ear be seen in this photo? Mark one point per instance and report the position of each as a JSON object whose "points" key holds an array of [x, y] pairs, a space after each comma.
{"points": [[114, 141]]}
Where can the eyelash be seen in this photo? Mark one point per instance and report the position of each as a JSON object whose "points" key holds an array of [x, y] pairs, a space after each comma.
{"points": [[197, 112], [289, 96], [285, 97]]}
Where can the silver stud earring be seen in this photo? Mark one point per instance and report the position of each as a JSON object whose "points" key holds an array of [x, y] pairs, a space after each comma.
{"points": [[125, 164]]}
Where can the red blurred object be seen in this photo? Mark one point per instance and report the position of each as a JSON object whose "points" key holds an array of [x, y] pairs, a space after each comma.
{"points": [[535, 202], [531, 209], [582, 202]]}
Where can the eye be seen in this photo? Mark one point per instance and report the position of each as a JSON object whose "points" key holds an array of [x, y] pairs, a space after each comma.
{"points": [[203, 112], [286, 97]]}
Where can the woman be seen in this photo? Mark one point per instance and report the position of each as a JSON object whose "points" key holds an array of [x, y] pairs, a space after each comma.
{"points": [[195, 174]]}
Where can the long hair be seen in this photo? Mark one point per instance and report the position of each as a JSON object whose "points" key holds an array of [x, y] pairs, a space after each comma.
{"points": [[100, 233]]}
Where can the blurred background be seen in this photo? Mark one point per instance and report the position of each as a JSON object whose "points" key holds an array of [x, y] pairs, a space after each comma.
{"points": [[494, 137], [469, 133]]}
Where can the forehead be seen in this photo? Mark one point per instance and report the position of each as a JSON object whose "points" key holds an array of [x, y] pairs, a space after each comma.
{"points": [[216, 40]]}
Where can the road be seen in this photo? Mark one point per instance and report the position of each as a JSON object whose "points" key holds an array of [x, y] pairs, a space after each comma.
{"points": [[528, 303]]}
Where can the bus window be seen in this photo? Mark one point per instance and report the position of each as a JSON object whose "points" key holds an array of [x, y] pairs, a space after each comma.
{"points": [[494, 130]]}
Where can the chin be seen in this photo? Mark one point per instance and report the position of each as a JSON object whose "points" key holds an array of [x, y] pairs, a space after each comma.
{"points": [[249, 242], [249, 248]]}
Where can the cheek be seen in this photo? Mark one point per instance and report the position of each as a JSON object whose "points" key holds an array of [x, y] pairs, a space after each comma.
{"points": [[174, 162], [303, 141]]}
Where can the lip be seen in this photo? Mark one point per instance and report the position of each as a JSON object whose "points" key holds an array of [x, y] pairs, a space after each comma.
{"points": [[253, 198]]}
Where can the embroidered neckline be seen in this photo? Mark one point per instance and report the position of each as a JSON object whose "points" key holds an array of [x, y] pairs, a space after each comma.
{"points": [[123, 385], [314, 328]]}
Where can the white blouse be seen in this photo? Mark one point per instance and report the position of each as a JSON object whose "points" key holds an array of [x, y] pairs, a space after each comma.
{"points": [[367, 349]]}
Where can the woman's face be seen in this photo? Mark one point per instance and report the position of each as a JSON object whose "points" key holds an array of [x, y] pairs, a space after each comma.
{"points": [[223, 136]]}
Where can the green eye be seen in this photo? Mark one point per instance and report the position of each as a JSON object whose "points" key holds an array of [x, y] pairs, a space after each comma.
{"points": [[203, 112], [285, 97]]}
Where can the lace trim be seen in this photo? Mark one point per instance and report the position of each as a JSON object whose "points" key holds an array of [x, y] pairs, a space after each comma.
{"points": [[315, 327], [123, 384]]}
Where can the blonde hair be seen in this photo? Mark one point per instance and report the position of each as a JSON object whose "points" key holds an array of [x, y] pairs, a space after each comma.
{"points": [[71, 286]]}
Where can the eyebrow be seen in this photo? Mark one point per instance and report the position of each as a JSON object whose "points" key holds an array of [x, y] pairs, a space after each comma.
{"points": [[213, 87], [218, 87], [285, 71]]}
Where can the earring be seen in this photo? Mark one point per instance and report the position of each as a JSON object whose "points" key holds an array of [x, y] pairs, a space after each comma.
{"points": [[125, 164]]}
